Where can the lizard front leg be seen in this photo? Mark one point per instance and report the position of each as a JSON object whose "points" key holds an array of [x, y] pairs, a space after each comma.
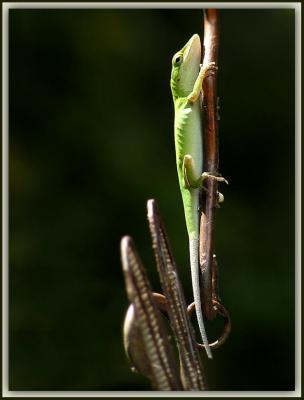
{"points": [[197, 88]]}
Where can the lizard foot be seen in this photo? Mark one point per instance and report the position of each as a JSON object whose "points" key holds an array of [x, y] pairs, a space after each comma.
{"points": [[209, 69], [206, 175]]}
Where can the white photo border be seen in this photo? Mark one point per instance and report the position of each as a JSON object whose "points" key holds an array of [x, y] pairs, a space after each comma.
{"points": [[6, 6]]}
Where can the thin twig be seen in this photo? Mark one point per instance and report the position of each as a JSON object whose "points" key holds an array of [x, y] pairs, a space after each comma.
{"points": [[211, 160]]}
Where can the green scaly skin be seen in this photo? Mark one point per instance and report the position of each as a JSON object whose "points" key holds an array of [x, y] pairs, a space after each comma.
{"points": [[186, 85]]}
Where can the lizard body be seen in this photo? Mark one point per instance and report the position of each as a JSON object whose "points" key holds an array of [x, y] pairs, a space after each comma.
{"points": [[186, 85]]}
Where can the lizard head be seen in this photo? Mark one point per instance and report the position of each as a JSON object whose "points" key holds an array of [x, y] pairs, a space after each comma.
{"points": [[185, 67]]}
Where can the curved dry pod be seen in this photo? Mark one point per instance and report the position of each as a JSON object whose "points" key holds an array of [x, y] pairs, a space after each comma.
{"points": [[145, 337], [192, 373]]}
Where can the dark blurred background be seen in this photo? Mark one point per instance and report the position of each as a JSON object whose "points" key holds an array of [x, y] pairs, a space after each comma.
{"points": [[91, 140]]}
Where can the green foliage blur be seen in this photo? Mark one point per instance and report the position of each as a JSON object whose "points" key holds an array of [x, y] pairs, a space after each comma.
{"points": [[91, 140]]}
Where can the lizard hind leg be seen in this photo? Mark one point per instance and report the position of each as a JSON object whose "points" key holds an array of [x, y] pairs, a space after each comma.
{"points": [[192, 180], [191, 177]]}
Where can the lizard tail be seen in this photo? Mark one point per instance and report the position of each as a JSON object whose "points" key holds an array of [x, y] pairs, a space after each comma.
{"points": [[193, 249]]}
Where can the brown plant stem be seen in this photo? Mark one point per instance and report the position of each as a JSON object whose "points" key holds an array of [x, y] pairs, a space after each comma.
{"points": [[211, 161]]}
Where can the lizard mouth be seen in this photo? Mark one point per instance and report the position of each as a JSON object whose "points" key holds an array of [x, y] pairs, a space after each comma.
{"points": [[192, 48]]}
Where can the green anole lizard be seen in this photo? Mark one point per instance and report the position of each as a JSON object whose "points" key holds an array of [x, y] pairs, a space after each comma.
{"points": [[186, 85]]}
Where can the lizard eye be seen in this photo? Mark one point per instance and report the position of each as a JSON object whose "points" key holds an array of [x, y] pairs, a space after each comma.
{"points": [[178, 59]]}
